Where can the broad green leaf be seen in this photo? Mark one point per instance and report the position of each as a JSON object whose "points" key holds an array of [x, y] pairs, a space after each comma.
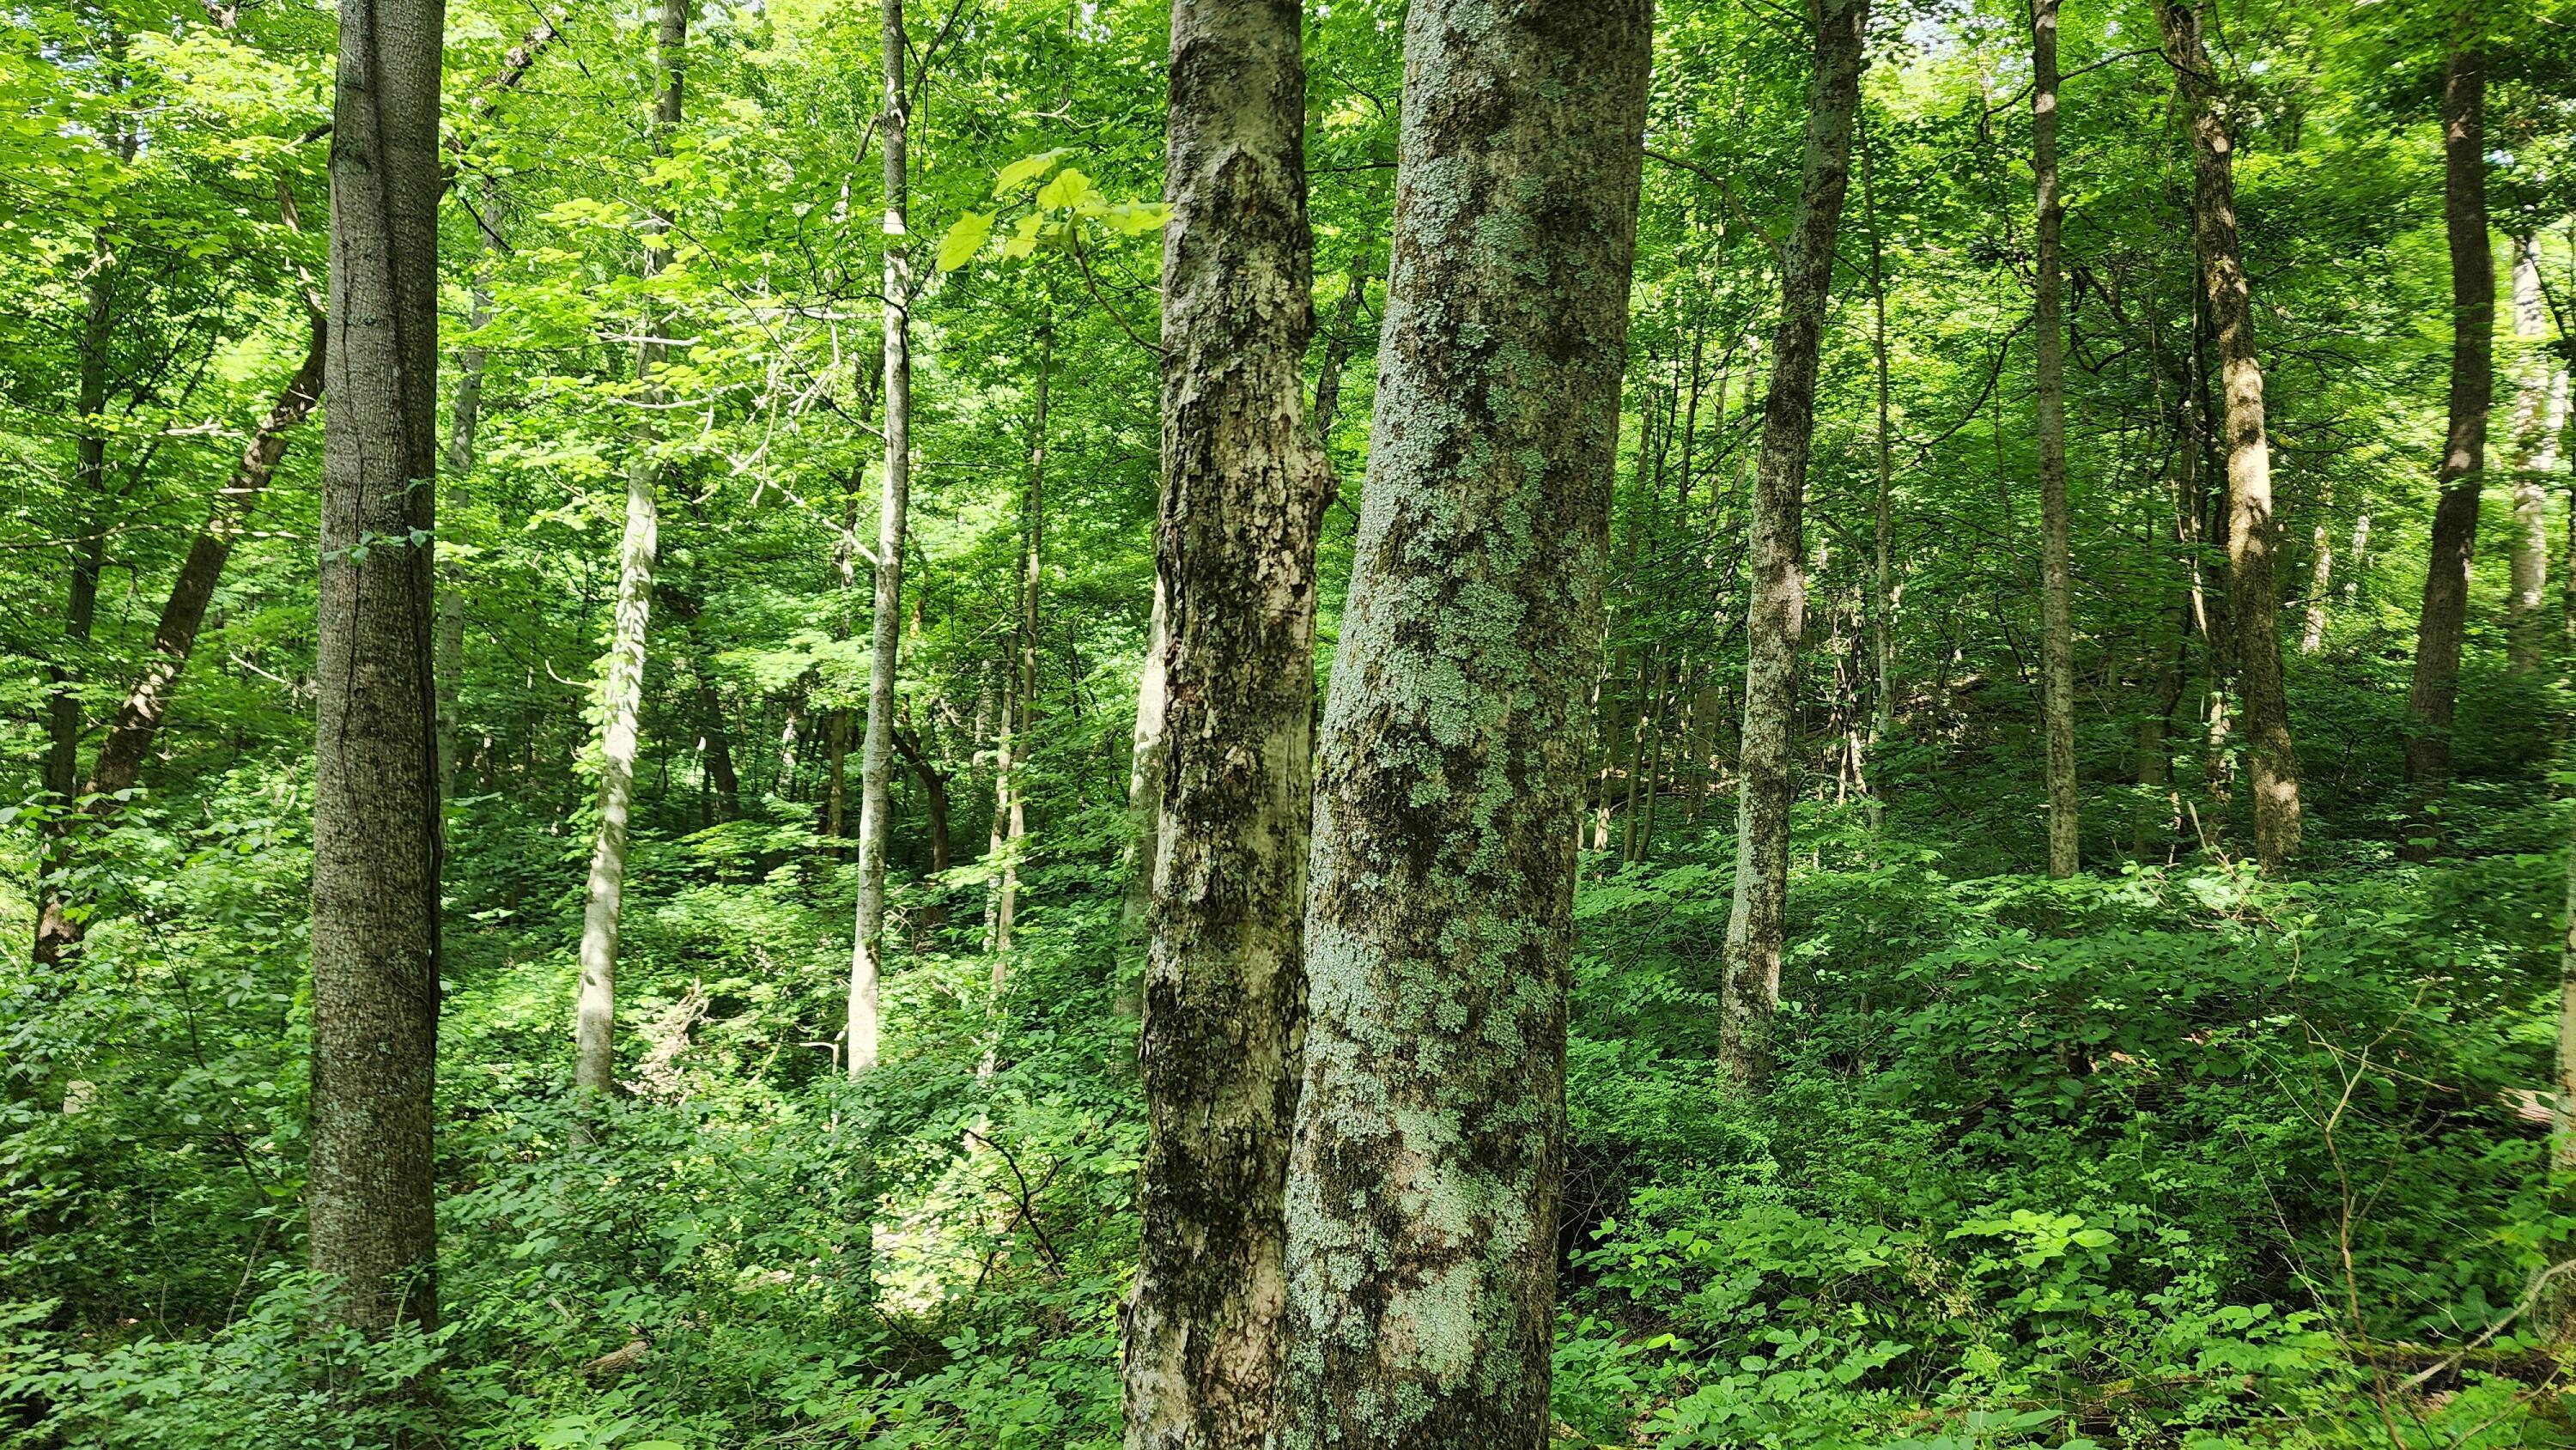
{"points": [[1023, 169], [964, 238], [1025, 240], [1065, 190], [1135, 218]]}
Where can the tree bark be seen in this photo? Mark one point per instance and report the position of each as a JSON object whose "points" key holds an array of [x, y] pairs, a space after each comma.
{"points": [[885, 619], [138, 720], [1776, 616], [1430, 1135], [2443, 622], [2057, 587], [376, 841], [1882, 601], [2540, 404], [1245, 484], [1145, 771], [2253, 533], [2312, 630]]}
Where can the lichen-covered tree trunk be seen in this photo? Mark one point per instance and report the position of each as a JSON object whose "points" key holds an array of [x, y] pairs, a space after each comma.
{"points": [[1776, 616], [2539, 414], [376, 841], [2057, 588], [1245, 484], [885, 619], [2443, 621], [1430, 1135], [621, 691], [2253, 533]]}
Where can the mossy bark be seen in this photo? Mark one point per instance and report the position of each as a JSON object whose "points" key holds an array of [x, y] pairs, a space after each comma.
{"points": [[2253, 532], [1422, 1193], [1244, 489], [376, 841], [1776, 617]]}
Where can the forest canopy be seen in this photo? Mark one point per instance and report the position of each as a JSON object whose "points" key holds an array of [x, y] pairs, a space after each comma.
{"points": [[1207, 724]]}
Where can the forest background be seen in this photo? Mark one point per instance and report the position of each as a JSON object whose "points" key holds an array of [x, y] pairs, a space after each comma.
{"points": [[2171, 1150]]}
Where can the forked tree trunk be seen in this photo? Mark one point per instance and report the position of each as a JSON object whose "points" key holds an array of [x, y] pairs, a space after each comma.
{"points": [[376, 841], [2057, 587], [621, 694], [1423, 1190], [1245, 484], [2253, 533], [2441, 626], [885, 619], [1776, 616]]}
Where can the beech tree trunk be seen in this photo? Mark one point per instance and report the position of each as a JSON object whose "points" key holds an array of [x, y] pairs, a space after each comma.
{"points": [[2253, 533], [2312, 630], [2443, 622], [1423, 1189], [376, 839], [621, 693], [1776, 616], [885, 619], [1245, 484], [2057, 587]]}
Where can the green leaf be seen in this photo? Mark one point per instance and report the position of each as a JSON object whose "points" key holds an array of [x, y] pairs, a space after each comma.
{"points": [[1023, 169], [1025, 240], [1065, 190], [1135, 218], [964, 239]]}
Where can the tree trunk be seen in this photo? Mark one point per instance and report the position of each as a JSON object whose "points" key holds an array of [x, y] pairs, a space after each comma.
{"points": [[2540, 399], [2440, 627], [464, 418], [2253, 532], [885, 618], [621, 694], [1340, 341], [1245, 485], [1882, 604], [2312, 630], [376, 840], [138, 720], [1423, 1189], [2057, 587], [1776, 616], [1145, 773]]}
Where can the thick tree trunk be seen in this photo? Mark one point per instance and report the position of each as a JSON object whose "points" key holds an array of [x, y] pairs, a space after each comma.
{"points": [[621, 693], [376, 839], [885, 619], [2253, 533], [2539, 408], [1245, 484], [2057, 587], [2443, 622], [1776, 616], [1430, 1136]]}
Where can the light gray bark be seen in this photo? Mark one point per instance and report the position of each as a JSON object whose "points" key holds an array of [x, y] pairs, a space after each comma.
{"points": [[2539, 409], [1430, 1135], [376, 847], [1145, 759], [1245, 484], [885, 620], [621, 691], [1776, 617], [2057, 588]]}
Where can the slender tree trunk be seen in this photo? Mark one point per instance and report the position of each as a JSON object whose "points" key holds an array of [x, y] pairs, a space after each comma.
{"points": [[2540, 399], [2057, 587], [1756, 926], [464, 419], [1422, 1196], [885, 621], [2253, 532], [1340, 341], [138, 720], [376, 838], [2443, 622], [1882, 604], [2312, 630], [1245, 485], [621, 694]]}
